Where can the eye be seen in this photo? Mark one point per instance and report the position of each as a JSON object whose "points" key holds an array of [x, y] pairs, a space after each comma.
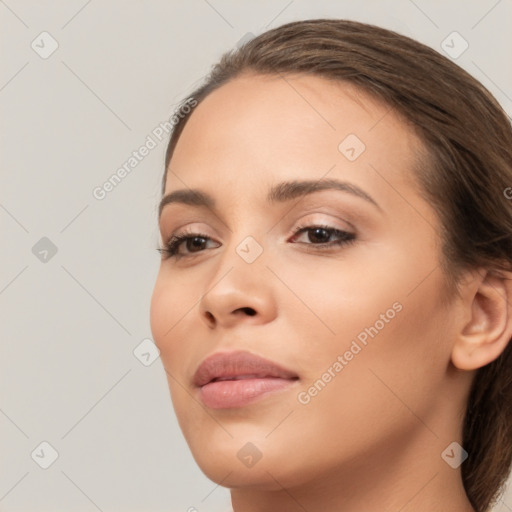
{"points": [[319, 236], [193, 242]]}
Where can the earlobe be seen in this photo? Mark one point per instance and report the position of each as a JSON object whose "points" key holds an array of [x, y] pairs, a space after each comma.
{"points": [[486, 334]]}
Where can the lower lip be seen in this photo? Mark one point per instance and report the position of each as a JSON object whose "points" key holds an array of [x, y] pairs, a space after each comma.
{"points": [[225, 394]]}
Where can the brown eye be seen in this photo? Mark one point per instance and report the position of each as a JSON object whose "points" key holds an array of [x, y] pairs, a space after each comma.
{"points": [[320, 235], [196, 242], [193, 243]]}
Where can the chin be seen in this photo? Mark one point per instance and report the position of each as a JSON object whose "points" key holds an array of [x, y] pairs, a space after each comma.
{"points": [[262, 476], [238, 462]]}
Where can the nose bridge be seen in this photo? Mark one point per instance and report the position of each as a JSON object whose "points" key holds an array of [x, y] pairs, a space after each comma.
{"points": [[239, 284], [246, 238], [241, 266]]}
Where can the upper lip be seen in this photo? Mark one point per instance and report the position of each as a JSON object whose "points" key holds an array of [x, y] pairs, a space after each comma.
{"points": [[225, 365]]}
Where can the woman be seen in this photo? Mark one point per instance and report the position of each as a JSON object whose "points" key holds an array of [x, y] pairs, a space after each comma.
{"points": [[333, 305]]}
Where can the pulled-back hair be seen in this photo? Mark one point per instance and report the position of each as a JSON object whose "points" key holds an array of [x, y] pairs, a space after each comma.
{"points": [[465, 173]]}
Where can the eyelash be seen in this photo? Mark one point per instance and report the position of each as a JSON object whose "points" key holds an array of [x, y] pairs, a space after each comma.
{"points": [[170, 249]]}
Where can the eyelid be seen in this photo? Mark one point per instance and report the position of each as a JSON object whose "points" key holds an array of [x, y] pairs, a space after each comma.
{"points": [[188, 227], [332, 221]]}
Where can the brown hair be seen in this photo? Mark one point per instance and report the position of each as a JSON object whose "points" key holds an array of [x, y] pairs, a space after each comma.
{"points": [[464, 174]]}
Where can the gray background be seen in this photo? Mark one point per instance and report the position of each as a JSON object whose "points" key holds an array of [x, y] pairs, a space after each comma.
{"points": [[71, 321]]}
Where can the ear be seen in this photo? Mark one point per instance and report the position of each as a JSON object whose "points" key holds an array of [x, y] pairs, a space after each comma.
{"points": [[487, 326]]}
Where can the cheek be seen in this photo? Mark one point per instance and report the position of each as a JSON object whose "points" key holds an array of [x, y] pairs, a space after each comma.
{"points": [[392, 338], [171, 301], [168, 311], [336, 301], [378, 396], [160, 312]]}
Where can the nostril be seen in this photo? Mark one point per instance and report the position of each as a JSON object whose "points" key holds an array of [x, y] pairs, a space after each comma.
{"points": [[249, 311]]}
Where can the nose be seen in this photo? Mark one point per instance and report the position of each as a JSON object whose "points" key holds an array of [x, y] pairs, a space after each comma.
{"points": [[240, 292]]}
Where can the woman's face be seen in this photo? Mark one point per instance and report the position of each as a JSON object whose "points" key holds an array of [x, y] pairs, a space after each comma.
{"points": [[361, 324]]}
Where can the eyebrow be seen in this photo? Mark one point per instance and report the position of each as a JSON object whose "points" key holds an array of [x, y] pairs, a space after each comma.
{"points": [[281, 192]]}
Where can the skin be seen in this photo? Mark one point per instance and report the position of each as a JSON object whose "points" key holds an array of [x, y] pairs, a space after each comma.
{"points": [[372, 438]]}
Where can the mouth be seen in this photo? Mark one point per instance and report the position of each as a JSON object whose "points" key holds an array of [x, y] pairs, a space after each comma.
{"points": [[241, 377], [236, 379]]}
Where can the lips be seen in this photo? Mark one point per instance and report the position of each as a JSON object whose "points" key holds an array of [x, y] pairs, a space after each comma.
{"points": [[229, 380], [239, 365]]}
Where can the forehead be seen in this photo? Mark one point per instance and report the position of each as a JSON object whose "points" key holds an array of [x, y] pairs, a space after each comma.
{"points": [[264, 127]]}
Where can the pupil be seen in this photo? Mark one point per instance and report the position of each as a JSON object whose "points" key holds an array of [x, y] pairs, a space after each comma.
{"points": [[316, 231], [193, 242]]}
